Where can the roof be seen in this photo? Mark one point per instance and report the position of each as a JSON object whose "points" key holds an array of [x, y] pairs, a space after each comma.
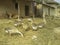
{"points": [[49, 5], [52, 2]]}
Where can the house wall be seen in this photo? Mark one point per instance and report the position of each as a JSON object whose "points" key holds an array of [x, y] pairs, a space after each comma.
{"points": [[22, 8], [22, 4], [49, 10], [6, 6], [46, 9], [58, 11], [52, 12], [9, 7], [54, 5], [39, 10], [31, 9]]}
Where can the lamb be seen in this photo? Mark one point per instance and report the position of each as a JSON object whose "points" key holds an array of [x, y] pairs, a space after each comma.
{"points": [[13, 31]]}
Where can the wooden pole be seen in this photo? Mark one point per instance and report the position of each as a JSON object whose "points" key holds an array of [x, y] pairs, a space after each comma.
{"points": [[18, 11], [33, 4], [44, 20], [43, 13]]}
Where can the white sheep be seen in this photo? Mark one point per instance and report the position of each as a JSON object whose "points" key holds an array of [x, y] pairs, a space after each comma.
{"points": [[18, 23], [34, 26], [25, 26], [41, 25], [29, 19], [13, 31]]}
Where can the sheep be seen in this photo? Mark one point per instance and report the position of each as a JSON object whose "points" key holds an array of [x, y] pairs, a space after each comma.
{"points": [[18, 23], [34, 26], [41, 25], [30, 20], [13, 31], [25, 26]]}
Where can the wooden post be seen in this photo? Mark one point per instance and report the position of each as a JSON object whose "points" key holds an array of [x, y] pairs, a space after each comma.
{"points": [[56, 14], [43, 13], [18, 11], [33, 4], [44, 20]]}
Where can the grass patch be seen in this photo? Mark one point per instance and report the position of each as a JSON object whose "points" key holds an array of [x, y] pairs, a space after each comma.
{"points": [[45, 36]]}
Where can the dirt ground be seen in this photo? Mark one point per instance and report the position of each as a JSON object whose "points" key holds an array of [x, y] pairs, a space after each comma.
{"points": [[43, 36]]}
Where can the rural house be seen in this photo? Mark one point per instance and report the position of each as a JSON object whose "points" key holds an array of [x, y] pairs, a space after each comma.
{"points": [[55, 4], [48, 10], [47, 7], [20, 8], [58, 10]]}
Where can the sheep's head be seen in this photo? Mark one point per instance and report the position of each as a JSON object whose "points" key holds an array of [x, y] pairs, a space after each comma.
{"points": [[7, 29]]}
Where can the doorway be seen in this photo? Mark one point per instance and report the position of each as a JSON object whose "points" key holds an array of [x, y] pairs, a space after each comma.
{"points": [[26, 10], [16, 6]]}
